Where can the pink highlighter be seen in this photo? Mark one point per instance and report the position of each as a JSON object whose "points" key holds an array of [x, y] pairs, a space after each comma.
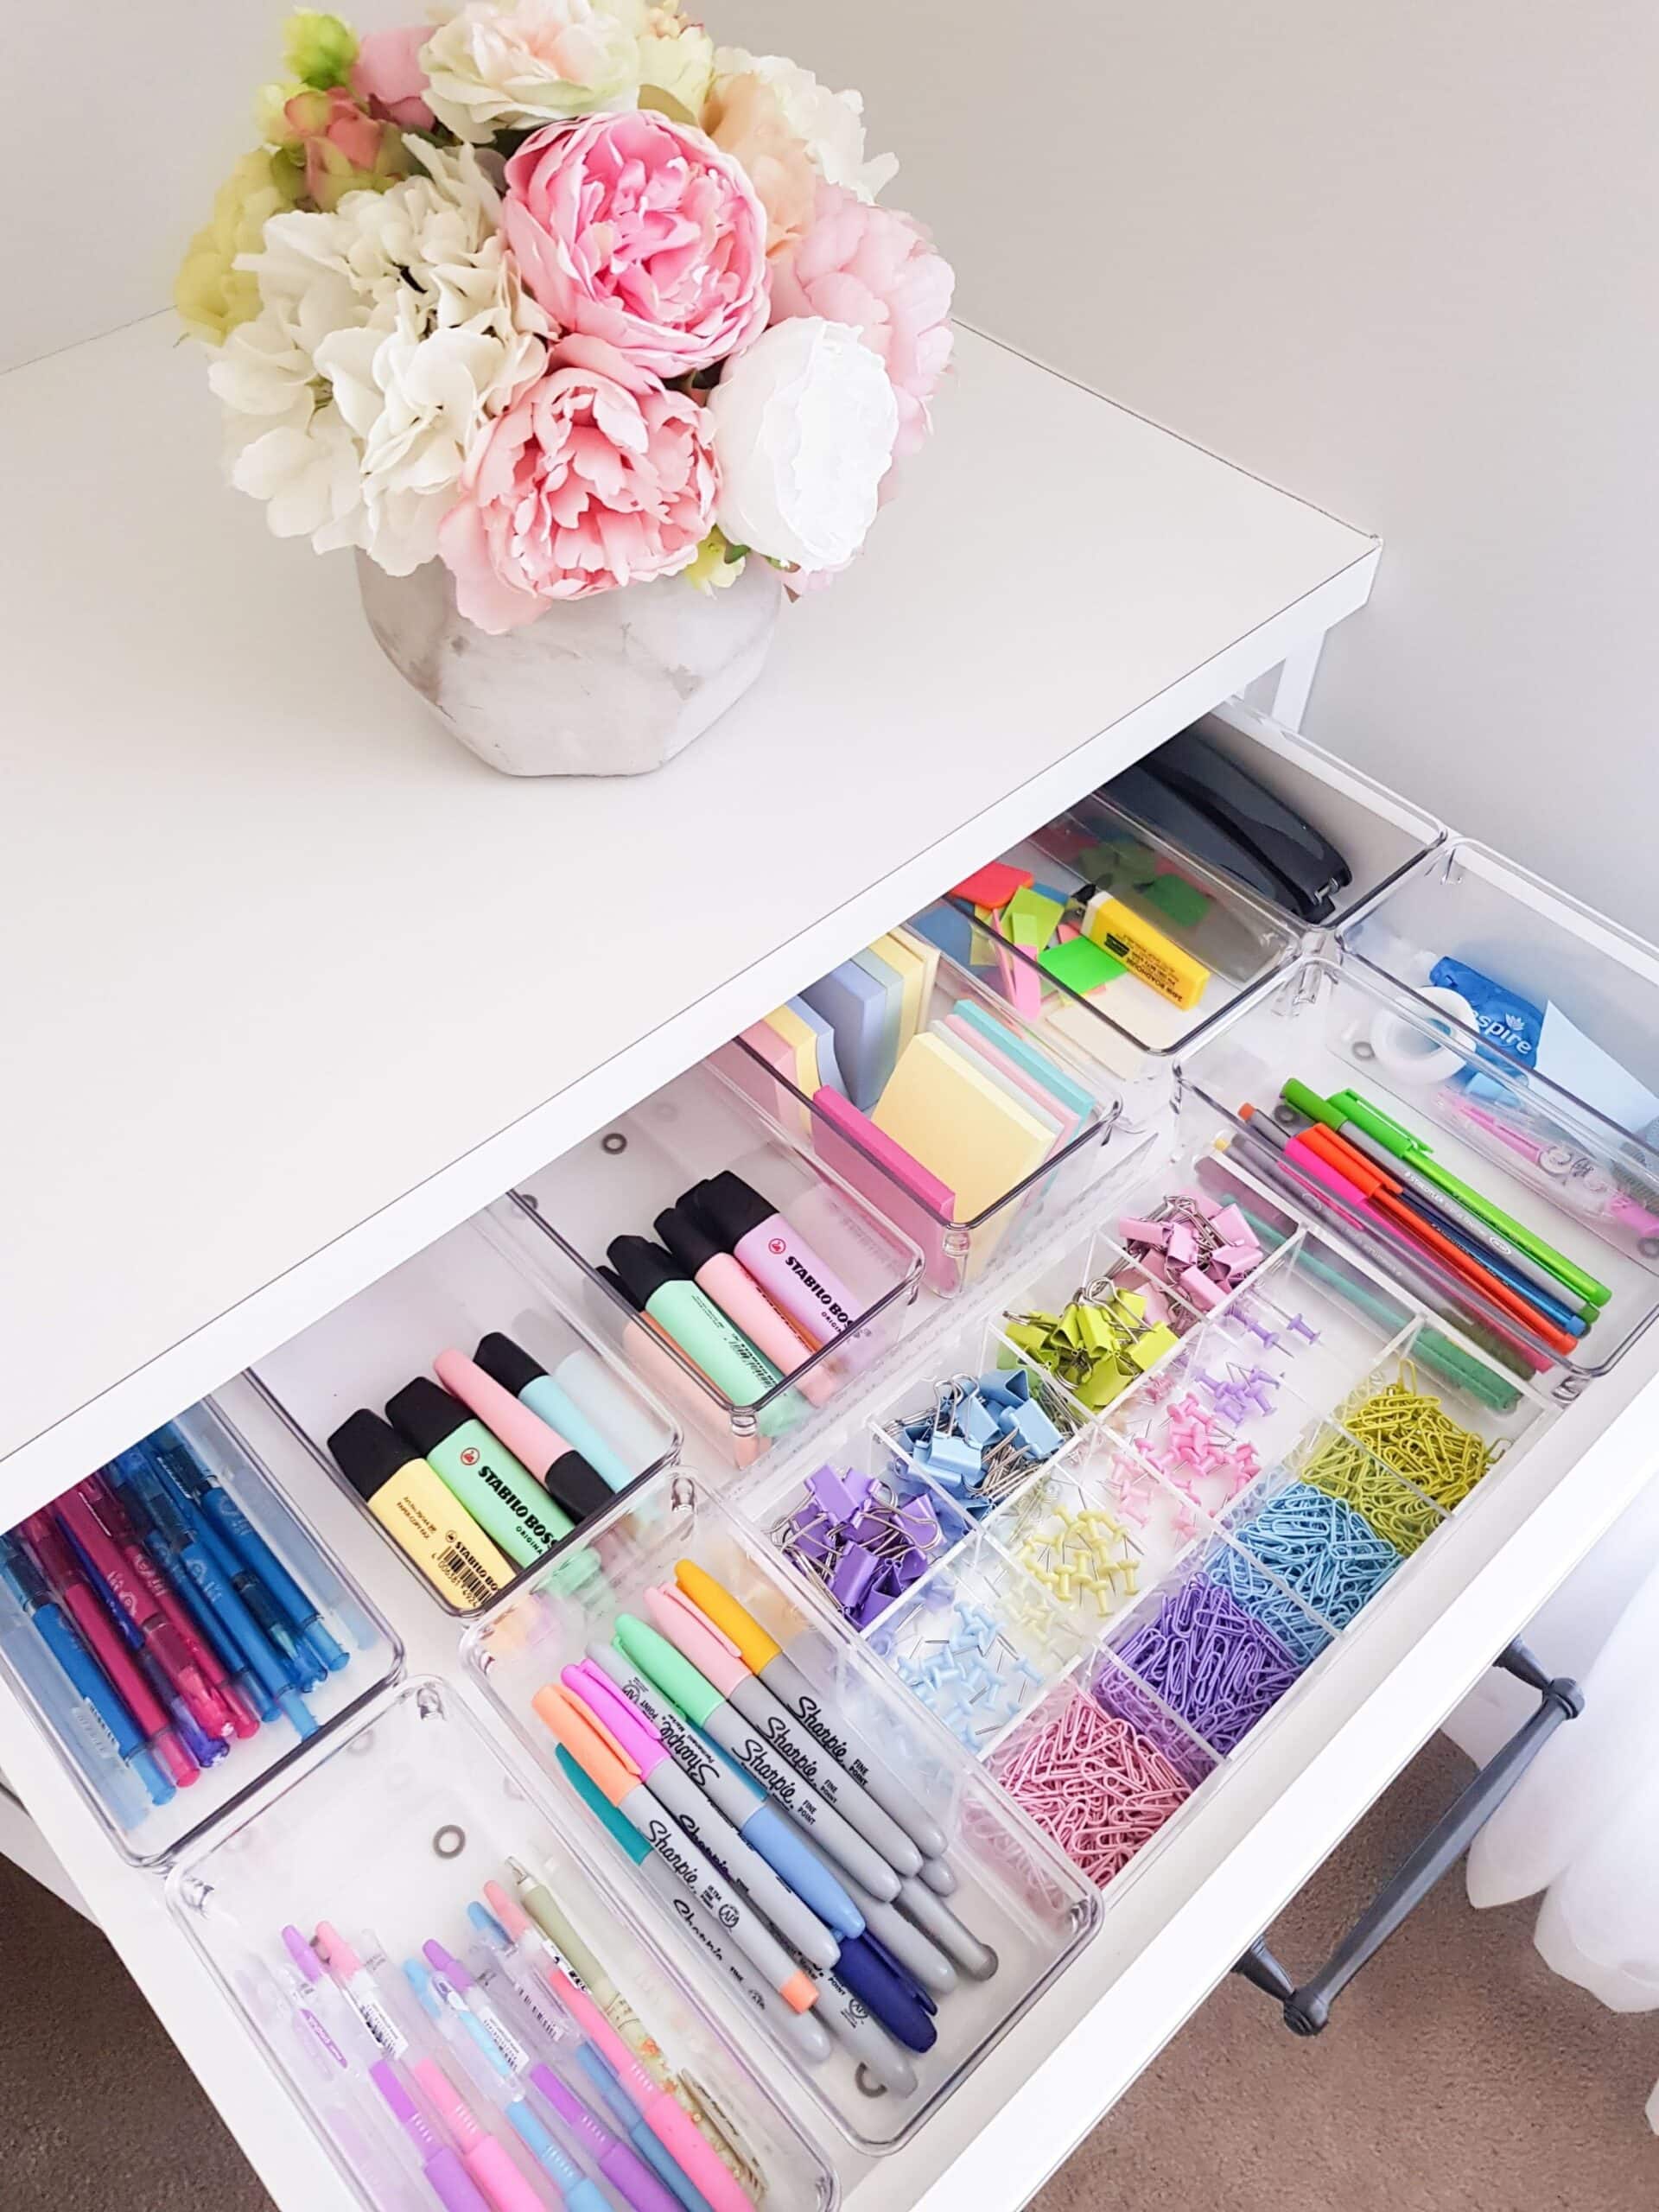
{"points": [[558, 1467], [776, 1254], [734, 1289]]}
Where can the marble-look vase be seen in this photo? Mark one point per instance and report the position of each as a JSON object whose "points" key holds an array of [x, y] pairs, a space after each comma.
{"points": [[612, 685]]}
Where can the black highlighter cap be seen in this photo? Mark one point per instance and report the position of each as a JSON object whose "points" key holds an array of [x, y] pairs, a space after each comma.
{"points": [[610, 1276], [731, 1207], [692, 1243], [424, 1412], [506, 1362], [644, 1268], [368, 1451]]}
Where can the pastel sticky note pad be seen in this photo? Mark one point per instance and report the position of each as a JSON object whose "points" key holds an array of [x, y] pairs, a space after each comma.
{"points": [[951, 1117], [1030, 920], [1054, 1079], [994, 885], [929, 956], [1082, 965], [824, 1039], [947, 929], [779, 1055], [892, 1006], [1061, 898], [1176, 899], [911, 969], [854, 1005], [956, 1036], [939, 1197], [802, 1041]]}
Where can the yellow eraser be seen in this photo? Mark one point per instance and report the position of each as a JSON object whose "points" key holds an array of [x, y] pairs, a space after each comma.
{"points": [[1146, 952]]}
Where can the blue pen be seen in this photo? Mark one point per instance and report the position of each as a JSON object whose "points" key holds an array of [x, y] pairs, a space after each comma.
{"points": [[743, 1802], [491, 2068], [183, 1464], [27, 1584], [191, 1558]]}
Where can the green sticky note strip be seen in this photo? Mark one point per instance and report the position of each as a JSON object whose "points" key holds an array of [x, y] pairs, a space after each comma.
{"points": [[1030, 920], [1179, 901], [1080, 964]]}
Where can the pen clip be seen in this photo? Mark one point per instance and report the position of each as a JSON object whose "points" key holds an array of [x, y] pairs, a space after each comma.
{"points": [[618, 1716], [589, 1742]]}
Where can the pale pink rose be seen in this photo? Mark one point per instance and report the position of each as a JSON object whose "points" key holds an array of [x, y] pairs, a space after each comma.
{"points": [[745, 117], [388, 75], [636, 230], [594, 478], [876, 269]]}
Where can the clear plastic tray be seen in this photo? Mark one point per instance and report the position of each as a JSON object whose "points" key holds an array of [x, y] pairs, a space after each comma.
{"points": [[1127, 1027], [491, 1274], [147, 1834], [387, 1838], [616, 1182], [1338, 1028], [958, 1253], [1379, 833], [1471, 904], [1013, 1890]]}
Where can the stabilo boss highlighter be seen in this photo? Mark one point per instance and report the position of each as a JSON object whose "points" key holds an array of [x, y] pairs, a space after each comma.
{"points": [[729, 1285], [424, 1520], [663, 1292], [775, 1253], [556, 1465], [496, 1489], [634, 1441]]}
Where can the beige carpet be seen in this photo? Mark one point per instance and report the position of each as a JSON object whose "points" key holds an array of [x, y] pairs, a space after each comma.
{"points": [[1457, 2076]]}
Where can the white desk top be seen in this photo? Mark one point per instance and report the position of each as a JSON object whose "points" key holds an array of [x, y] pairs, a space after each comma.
{"points": [[292, 982]]}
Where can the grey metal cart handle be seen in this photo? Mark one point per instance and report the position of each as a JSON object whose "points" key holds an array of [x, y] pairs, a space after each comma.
{"points": [[1307, 2006]]}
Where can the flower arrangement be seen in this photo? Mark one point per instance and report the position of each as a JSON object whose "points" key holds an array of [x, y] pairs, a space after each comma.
{"points": [[562, 294]]}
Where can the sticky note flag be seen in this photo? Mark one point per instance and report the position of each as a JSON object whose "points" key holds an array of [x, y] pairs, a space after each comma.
{"points": [[994, 885], [1176, 900], [1030, 920], [1081, 964]]}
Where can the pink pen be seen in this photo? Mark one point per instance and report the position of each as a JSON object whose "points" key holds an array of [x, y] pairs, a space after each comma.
{"points": [[443, 2169], [484, 2159], [734, 1289], [667, 2119], [118, 1520], [776, 1255], [360, 1986], [67, 1580], [558, 1467]]}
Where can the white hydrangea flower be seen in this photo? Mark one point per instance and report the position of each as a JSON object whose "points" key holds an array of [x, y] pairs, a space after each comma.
{"points": [[492, 68], [804, 422], [391, 332], [831, 124]]}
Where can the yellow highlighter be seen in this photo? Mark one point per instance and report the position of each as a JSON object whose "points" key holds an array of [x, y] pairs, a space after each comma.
{"points": [[1145, 951]]}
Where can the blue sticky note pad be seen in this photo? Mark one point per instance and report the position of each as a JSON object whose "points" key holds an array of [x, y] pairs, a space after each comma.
{"points": [[1035, 1064], [949, 928], [892, 1021], [829, 1068], [855, 1007]]}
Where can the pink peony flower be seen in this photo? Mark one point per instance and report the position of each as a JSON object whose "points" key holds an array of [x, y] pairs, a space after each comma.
{"points": [[876, 269], [388, 76], [596, 477], [635, 230]]}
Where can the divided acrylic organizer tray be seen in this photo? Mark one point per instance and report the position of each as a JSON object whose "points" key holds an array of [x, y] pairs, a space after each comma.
{"points": [[485, 1275], [1013, 1891], [1127, 1025], [150, 1833], [1596, 985], [617, 1181], [387, 1838], [1342, 1027], [958, 1253]]}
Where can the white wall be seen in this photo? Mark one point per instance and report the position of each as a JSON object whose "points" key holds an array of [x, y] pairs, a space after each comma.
{"points": [[1398, 257]]}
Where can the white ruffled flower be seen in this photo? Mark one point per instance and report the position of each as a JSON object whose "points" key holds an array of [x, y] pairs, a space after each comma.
{"points": [[831, 124], [493, 68], [804, 422], [391, 332], [676, 58]]}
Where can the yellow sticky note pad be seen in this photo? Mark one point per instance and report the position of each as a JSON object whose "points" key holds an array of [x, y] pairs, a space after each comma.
{"points": [[909, 967], [956, 1122], [802, 1041]]}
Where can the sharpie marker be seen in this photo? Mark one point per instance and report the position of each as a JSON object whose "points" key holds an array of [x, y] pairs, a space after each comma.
{"points": [[766, 1657], [742, 1801], [714, 1655], [667, 2119], [804, 2033], [703, 1820], [607, 1763], [705, 1706]]}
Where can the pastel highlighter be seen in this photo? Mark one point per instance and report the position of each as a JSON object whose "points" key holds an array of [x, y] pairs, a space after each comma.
{"points": [[778, 1257], [555, 1463], [667, 1295], [617, 1458], [723, 1279]]}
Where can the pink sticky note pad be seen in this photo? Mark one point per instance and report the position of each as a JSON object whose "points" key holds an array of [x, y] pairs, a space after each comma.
{"points": [[994, 885]]}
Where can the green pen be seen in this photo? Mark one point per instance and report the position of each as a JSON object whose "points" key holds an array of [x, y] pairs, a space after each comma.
{"points": [[1349, 1106]]}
